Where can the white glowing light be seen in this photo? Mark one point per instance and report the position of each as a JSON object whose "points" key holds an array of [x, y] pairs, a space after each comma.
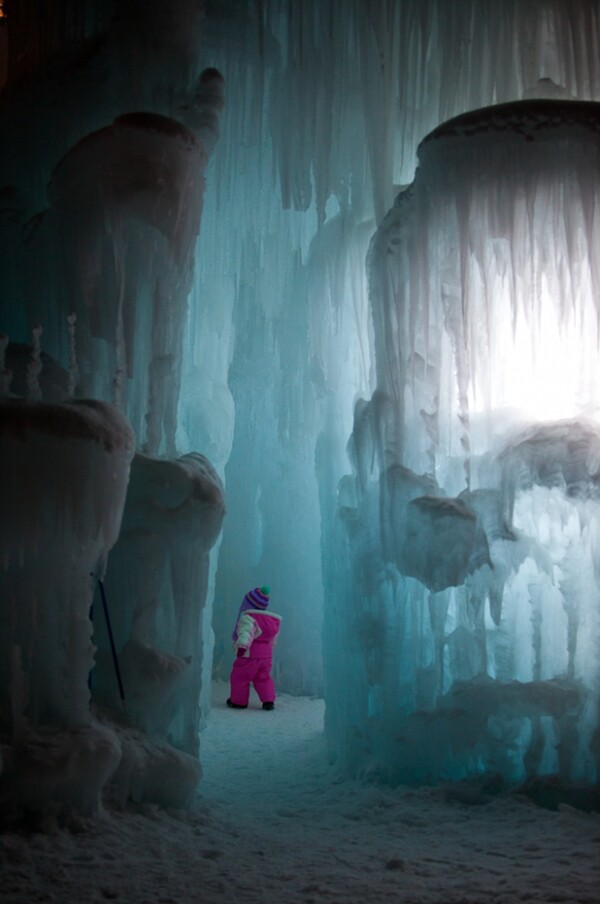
{"points": [[546, 368]]}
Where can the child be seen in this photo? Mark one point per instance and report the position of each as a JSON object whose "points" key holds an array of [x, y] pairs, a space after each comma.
{"points": [[254, 638]]}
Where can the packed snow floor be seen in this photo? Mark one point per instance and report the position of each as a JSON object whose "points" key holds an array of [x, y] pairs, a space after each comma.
{"points": [[273, 825]]}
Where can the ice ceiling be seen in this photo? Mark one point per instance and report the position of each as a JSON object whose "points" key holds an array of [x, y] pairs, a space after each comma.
{"points": [[328, 273]]}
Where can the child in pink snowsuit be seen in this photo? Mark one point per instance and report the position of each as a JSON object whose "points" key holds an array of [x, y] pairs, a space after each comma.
{"points": [[254, 638]]}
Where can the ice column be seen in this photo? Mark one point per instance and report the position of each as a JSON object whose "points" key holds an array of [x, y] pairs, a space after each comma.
{"points": [[466, 637], [116, 249], [64, 475], [329, 104], [156, 588], [101, 193]]}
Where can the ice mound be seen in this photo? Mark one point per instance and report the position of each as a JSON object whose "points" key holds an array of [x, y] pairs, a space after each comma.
{"points": [[150, 771]]}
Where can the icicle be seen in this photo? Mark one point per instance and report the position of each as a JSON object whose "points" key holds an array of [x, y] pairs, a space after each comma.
{"points": [[34, 367], [5, 374], [120, 344], [73, 369], [18, 693], [204, 114]]}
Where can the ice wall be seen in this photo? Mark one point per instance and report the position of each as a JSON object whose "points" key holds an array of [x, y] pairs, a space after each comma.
{"points": [[467, 537], [330, 102]]}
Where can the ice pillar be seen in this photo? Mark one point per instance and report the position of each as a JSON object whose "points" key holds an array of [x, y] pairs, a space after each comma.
{"points": [[156, 586], [64, 471], [467, 533]]}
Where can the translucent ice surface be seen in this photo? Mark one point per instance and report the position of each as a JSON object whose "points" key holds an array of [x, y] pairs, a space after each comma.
{"points": [[469, 639]]}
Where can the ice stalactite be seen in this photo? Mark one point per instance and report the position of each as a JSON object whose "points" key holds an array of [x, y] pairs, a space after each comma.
{"points": [[391, 72], [476, 581], [5, 373], [34, 368], [73, 368], [203, 113]]}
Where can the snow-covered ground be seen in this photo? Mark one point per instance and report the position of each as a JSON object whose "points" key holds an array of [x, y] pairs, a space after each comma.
{"points": [[274, 825]]}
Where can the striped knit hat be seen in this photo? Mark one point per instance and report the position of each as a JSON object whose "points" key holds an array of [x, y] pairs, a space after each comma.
{"points": [[259, 597]]}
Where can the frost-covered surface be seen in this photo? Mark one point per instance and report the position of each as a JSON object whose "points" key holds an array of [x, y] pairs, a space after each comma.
{"points": [[469, 641], [273, 823]]}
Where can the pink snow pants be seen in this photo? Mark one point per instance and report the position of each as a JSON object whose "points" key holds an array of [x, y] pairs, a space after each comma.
{"points": [[247, 671]]}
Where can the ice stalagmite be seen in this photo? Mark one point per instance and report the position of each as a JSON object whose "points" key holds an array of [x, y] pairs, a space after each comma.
{"points": [[470, 643]]}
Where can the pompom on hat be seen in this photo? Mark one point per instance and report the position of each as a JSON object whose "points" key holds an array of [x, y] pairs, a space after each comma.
{"points": [[259, 597]]}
